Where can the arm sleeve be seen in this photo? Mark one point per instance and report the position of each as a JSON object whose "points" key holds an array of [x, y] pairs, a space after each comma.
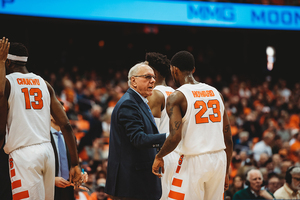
{"points": [[131, 119]]}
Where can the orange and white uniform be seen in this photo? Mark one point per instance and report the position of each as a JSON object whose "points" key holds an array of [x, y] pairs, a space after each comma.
{"points": [[201, 169], [170, 160], [31, 156]]}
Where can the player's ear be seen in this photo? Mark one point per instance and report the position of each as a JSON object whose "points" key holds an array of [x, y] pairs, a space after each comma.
{"points": [[176, 70], [194, 70]]}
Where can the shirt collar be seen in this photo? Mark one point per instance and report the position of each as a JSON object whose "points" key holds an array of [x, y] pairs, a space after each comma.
{"points": [[143, 98], [253, 193], [53, 130], [290, 191]]}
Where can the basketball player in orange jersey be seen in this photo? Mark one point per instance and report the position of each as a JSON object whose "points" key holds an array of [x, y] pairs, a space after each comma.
{"points": [[29, 101], [200, 127], [157, 103]]}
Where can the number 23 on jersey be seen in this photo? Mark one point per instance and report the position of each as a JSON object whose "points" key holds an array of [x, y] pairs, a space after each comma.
{"points": [[213, 104]]}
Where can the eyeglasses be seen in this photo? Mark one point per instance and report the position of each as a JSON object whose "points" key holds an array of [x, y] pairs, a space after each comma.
{"points": [[148, 77], [297, 179]]}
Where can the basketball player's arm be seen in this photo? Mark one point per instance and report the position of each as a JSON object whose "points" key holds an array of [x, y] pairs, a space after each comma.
{"points": [[62, 120], [3, 119], [156, 104], [4, 112], [228, 144], [4, 47], [174, 102]]}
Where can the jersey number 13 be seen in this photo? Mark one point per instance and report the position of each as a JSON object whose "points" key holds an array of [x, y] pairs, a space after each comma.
{"points": [[37, 104]]}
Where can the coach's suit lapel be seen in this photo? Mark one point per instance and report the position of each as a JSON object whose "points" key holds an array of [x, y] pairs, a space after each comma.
{"points": [[55, 154], [142, 105]]}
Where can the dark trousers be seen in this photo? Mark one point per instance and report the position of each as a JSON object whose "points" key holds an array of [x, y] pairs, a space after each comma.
{"points": [[64, 193]]}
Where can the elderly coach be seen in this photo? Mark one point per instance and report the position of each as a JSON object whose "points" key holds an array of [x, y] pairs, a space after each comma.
{"points": [[134, 141]]}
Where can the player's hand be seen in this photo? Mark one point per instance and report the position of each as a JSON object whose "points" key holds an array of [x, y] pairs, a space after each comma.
{"points": [[4, 47], [158, 163], [75, 176], [226, 185], [61, 182]]}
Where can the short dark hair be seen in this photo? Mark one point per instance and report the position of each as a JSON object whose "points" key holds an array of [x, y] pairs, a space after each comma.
{"points": [[183, 60], [18, 49], [159, 62]]}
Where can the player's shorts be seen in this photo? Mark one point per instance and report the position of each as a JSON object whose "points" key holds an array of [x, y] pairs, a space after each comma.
{"points": [[199, 177], [32, 172], [170, 164]]}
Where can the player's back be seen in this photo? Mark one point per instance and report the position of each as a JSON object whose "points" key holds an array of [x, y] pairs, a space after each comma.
{"points": [[163, 126], [28, 121], [202, 125]]}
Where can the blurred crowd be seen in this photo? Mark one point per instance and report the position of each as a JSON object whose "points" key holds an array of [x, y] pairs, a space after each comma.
{"points": [[264, 118]]}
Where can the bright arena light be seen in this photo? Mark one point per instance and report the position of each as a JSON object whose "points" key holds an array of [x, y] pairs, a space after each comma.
{"points": [[270, 57], [270, 51]]}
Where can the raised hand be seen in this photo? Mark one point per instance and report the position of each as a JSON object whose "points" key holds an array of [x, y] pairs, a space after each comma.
{"points": [[4, 47]]}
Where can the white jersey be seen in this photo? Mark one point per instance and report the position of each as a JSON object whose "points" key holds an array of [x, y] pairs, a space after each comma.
{"points": [[28, 121], [202, 125], [163, 127]]}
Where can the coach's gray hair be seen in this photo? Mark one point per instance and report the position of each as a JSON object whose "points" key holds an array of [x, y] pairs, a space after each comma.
{"points": [[134, 70], [295, 170]]}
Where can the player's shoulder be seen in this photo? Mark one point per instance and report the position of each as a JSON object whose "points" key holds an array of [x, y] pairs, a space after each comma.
{"points": [[175, 97], [157, 94]]}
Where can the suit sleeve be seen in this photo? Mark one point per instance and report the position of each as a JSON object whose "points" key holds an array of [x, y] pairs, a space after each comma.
{"points": [[130, 117]]}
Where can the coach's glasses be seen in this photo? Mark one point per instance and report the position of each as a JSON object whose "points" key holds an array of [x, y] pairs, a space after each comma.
{"points": [[148, 77]]}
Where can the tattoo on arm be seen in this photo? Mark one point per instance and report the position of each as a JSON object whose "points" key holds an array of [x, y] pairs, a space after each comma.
{"points": [[170, 112], [226, 129], [177, 125]]}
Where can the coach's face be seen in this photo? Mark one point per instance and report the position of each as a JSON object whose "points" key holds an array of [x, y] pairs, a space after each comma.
{"points": [[143, 81]]}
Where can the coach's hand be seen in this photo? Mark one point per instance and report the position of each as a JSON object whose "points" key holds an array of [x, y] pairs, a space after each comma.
{"points": [[61, 182], [75, 176], [158, 163]]}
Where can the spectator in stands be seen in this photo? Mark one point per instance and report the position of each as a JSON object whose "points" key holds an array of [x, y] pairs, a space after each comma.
{"points": [[254, 190], [285, 165], [295, 149], [237, 184], [273, 183], [99, 193], [91, 182], [263, 146], [291, 189], [283, 132], [234, 167], [243, 142]]}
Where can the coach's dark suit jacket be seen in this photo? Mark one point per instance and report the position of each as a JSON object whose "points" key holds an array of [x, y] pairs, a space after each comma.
{"points": [[62, 193], [133, 144]]}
